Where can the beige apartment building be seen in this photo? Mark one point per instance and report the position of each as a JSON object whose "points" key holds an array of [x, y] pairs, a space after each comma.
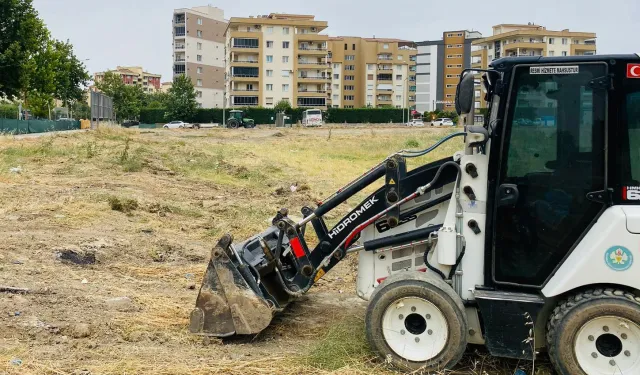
{"points": [[285, 57], [198, 51], [528, 40], [134, 75]]}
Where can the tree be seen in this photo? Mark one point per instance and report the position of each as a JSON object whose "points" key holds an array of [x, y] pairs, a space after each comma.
{"points": [[156, 100], [127, 100], [40, 104], [24, 37], [181, 101], [283, 106]]}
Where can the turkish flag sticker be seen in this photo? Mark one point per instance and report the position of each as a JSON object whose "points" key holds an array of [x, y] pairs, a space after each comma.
{"points": [[633, 70]]}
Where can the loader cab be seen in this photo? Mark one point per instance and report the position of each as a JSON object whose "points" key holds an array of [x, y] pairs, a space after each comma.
{"points": [[563, 147]]}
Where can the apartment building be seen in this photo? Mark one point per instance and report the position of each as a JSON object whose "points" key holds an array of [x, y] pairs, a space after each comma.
{"points": [[277, 57], [372, 72], [439, 65], [527, 40], [134, 75], [199, 51]]}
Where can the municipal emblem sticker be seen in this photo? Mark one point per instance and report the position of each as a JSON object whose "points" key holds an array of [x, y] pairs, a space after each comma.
{"points": [[618, 258]]}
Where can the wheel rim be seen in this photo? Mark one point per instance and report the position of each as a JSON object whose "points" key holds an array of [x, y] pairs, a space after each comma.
{"points": [[608, 345], [415, 329]]}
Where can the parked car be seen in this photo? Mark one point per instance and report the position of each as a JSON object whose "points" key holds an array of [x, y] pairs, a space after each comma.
{"points": [[63, 119], [177, 125], [442, 122], [130, 123], [416, 122]]}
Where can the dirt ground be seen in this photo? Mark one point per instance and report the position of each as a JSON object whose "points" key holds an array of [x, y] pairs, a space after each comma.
{"points": [[111, 230]]}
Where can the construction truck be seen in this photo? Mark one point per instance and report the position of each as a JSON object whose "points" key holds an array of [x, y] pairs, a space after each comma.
{"points": [[524, 240]]}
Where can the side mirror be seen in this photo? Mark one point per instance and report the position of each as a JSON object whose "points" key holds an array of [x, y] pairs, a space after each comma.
{"points": [[464, 94]]}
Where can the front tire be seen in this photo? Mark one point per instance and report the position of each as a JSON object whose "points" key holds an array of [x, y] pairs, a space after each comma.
{"points": [[596, 332], [416, 326]]}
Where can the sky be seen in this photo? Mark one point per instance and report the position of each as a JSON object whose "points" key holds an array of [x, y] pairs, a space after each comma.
{"points": [[108, 33]]}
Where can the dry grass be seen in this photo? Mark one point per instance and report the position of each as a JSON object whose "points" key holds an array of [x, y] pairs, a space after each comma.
{"points": [[150, 204]]}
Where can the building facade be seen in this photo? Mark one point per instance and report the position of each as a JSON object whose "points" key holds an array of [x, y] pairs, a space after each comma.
{"points": [[439, 65], [527, 40], [199, 51], [277, 57], [134, 76], [285, 57], [372, 72]]}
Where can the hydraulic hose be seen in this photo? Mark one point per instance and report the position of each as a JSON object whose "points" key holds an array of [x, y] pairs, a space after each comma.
{"points": [[429, 266], [415, 154], [455, 266]]}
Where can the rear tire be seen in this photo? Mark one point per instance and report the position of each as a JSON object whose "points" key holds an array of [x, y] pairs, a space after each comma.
{"points": [[233, 124], [596, 332], [416, 326]]}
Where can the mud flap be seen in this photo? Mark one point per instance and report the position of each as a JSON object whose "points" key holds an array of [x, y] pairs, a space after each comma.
{"points": [[226, 304]]}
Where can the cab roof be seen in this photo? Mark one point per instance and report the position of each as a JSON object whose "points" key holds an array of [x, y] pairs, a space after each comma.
{"points": [[506, 63]]}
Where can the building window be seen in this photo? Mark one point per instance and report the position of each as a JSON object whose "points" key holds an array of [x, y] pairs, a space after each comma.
{"points": [[285, 73], [370, 86], [199, 94], [552, 40], [370, 77], [199, 21], [285, 88], [285, 44], [349, 78], [552, 53], [285, 31], [458, 45], [270, 101], [564, 53], [199, 70], [371, 67], [399, 77], [576, 41], [269, 58], [350, 67], [399, 57], [269, 43], [199, 33], [346, 46], [199, 46], [349, 57], [269, 87], [451, 86], [370, 98], [336, 97], [269, 73], [349, 97], [564, 41], [385, 46], [449, 45], [353, 47], [349, 88], [199, 83], [336, 66], [285, 59], [336, 86], [398, 97], [270, 31], [199, 57], [336, 76], [399, 68]]}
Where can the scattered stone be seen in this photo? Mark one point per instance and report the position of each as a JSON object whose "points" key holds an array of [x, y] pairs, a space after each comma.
{"points": [[147, 231], [18, 262], [62, 340], [80, 330], [74, 255], [13, 218], [191, 287], [92, 345], [17, 313], [84, 281], [278, 134], [59, 216], [293, 188], [188, 276], [120, 304], [16, 362], [15, 170]]}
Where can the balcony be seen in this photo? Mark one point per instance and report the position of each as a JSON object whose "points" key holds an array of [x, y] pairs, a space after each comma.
{"points": [[244, 89], [312, 37], [245, 43], [179, 19], [310, 64], [244, 62], [305, 49], [179, 31], [385, 77], [311, 92], [384, 99], [385, 67], [385, 57], [180, 59], [311, 79], [577, 49], [524, 45]]}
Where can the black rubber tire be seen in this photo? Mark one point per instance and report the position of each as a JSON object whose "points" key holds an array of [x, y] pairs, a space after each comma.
{"points": [[250, 125], [233, 124], [457, 338], [196, 126], [572, 313]]}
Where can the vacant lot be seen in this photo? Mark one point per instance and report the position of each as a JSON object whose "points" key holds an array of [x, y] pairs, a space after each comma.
{"points": [[111, 230]]}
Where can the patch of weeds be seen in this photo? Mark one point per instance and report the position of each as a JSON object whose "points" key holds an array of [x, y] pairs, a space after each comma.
{"points": [[130, 162], [162, 253], [412, 143], [344, 345], [91, 149], [181, 143], [125, 205]]}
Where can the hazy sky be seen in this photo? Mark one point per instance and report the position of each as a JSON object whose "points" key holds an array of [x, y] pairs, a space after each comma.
{"points": [[138, 32]]}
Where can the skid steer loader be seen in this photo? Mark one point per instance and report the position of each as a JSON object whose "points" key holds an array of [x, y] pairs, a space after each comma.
{"points": [[525, 240]]}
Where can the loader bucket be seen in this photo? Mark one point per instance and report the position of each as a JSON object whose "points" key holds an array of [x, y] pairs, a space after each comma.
{"points": [[227, 304]]}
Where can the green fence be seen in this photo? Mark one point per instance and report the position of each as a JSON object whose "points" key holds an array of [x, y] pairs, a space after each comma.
{"points": [[36, 126], [147, 126]]}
